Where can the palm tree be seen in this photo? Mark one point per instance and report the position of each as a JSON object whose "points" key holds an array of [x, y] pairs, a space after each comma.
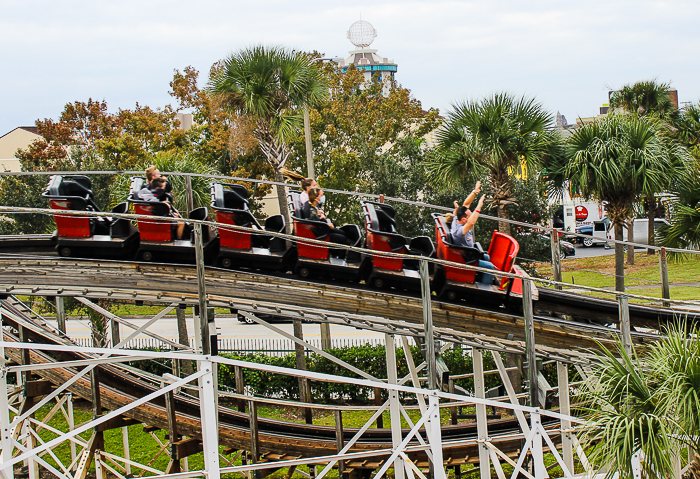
{"points": [[614, 160], [647, 403], [626, 417], [676, 361], [646, 98], [687, 126], [497, 138], [684, 230], [270, 85]]}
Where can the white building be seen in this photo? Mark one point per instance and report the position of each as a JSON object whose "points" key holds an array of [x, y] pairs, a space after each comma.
{"points": [[362, 34]]}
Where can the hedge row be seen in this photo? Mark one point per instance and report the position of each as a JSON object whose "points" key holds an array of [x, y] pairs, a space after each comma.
{"points": [[371, 359]]}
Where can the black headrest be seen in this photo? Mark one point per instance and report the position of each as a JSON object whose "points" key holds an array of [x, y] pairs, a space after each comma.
{"points": [[121, 208], [73, 188], [387, 224], [388, 209], [229, 196], [199, 214], [234, 201]]}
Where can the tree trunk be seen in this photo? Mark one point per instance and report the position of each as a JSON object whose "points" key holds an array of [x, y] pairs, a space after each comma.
{"points": [[282, 198], [694, 469], [503, 227], [651, 206], [630, 238], [619, 259]]}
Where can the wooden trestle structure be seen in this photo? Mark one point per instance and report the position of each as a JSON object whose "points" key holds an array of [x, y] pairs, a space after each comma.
{"points": [[192, 421]]}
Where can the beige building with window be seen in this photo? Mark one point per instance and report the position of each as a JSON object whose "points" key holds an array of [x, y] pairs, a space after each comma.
{"points": [[20, 137]]}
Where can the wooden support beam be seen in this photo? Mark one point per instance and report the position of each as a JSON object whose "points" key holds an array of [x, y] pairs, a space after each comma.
{"points": [[254, 439], [186, 447], [240, 386], [339, 441], [33, 389], [174, 437], [60, 314], [115, 423], [304, 390]]}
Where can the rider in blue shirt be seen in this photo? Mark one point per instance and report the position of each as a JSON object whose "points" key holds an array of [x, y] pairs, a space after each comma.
{"points": [[463, 234]]}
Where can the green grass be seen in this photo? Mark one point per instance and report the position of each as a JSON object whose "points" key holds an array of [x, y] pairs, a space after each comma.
{"points": [[143, 446], [599, 272]]}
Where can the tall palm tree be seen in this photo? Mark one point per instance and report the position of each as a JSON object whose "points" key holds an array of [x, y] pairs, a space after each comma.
{"points": [[270, 85], [496, 138], [614, 160], [647, 98]]}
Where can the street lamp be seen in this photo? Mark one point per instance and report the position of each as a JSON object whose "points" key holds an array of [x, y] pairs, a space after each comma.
{"points": [[310, 173]]}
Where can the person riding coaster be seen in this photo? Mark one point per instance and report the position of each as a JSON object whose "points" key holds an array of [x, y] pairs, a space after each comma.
{"points": [[310, 222], [169, 240]]}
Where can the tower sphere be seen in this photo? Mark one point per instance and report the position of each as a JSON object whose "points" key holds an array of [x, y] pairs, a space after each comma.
{"points": [[362, 34]]}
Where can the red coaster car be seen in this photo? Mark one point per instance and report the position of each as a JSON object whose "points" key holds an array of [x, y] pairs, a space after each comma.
{"points": [[325, 260], [247, 248], [99, 236], [382, 236], [452, 281], [159, 238]]}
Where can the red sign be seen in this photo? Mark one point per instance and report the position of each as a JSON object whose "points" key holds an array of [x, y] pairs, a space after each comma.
{"points": [[581, 213]]}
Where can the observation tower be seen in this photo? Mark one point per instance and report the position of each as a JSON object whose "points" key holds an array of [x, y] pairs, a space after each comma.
{"points": [[361, 34]]}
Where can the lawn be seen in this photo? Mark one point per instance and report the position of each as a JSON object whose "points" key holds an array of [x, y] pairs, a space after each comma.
{"points": [[599, 272], [146, 448]]}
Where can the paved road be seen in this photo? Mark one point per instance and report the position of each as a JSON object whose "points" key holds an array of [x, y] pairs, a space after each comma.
{"points": [[596, 250], [231, 328]]}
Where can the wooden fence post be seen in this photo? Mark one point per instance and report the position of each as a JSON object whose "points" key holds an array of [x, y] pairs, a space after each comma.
{"points": [[663, 267]]}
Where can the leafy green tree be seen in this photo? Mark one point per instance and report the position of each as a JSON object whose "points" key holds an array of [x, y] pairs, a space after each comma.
{"points": [[614, 160], [646, 403], [495, 139], [220, 138], [120, 140], [270, 85], [647, 98], [369, 141]]}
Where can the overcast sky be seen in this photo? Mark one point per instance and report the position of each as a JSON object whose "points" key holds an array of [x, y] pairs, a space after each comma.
{"points": [[565, 53]]}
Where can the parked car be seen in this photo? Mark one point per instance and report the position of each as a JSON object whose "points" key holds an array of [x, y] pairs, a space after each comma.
{"points": [[270, 318], [601, 231], [566, 248]]}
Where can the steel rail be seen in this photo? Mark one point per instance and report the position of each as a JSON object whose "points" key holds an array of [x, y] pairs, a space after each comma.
{"points": [[356, 194], [380, 311]]}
